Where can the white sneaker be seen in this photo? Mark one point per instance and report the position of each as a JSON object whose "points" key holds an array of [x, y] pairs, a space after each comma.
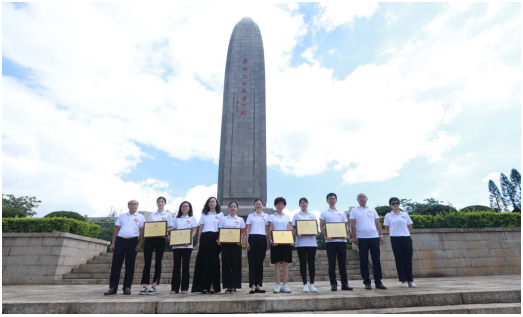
{"points": [[412, 285], [404, 285], [305, 288], [143, 291], [312, 288], [285, 289], [277, 289]]}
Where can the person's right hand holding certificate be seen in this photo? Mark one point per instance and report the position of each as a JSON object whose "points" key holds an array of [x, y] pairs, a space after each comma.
{"points": [[306, 228], [180, 237], [336, 230]]}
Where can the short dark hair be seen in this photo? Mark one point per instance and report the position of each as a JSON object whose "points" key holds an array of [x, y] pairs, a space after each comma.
{"points": [[392, 199], [257, 200], [206, 207], [303, 198], [164, 200], [280, 200], [233, 202], [331, 194], [180, 213]]}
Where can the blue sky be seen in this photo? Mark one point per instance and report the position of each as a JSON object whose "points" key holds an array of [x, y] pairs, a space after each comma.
{"points": [[413, 100]]}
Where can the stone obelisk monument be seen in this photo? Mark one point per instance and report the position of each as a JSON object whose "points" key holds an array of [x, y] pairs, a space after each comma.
{"points": [[242, 175]]}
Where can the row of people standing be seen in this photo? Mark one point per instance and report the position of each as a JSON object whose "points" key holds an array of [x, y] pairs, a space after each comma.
{"points": [[364, 223]]}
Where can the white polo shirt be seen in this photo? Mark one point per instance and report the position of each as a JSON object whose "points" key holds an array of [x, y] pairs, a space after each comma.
{"points": [[165, 216], [184, 223], [279, 222], [258, 223], [210, 221], [232, 222], [333, 215], [130, 224], [308, 241], [398, 224], [365, 224]]}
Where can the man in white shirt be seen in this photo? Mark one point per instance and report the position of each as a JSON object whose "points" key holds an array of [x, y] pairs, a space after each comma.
{"points": [[367, 235], [127, 240], [335, 247]]}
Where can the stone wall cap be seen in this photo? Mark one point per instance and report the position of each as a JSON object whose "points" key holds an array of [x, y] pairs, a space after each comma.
{"points": [[464, 230], [53, 235]]}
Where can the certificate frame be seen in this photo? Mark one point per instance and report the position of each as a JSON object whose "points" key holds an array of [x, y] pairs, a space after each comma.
{"points": [[306, 234], [327, 224], [230, 229], [149, 223], [282, 243], [180, 244]]}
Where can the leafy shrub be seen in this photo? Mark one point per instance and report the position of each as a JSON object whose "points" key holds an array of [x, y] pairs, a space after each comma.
{"points": [[383, 210], [65, 214], [477, 208], [437, 209], [466, 220], [25, 225], [11, 212]]}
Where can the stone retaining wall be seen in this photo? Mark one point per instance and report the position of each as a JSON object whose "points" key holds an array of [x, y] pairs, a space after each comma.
{"points": [[41, 258], [459, 252]]}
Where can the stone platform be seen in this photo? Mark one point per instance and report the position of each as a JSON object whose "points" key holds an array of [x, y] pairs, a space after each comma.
{"points": [[480, 294]]}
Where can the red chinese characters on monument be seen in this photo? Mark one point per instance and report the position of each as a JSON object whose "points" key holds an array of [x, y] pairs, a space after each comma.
{"points": [[244, 83]]}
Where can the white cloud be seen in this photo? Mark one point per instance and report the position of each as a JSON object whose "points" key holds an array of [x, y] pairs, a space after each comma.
{"points": [[308, 54], [389, 50], [391, 18], [335, 13], [492, 176], [331, 52]]}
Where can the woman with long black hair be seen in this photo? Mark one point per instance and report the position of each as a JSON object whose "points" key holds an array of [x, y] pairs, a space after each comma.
{"points": [[232, 253], [153, 244], [207, 267], [182, 253]]}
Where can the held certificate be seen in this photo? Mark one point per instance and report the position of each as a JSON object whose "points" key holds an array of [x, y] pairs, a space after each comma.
{"points": [[307, 227], [155, 229], [180, 237], [336, 229], [282, 237], [229, 235]]}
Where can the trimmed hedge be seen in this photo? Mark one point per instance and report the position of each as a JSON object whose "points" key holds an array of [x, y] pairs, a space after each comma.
{"points": [[26, 225], [65, 214], [466, 220]]}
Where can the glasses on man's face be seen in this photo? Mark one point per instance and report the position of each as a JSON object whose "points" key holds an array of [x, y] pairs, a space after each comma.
{"points": [[394, 203], [133, 204]]}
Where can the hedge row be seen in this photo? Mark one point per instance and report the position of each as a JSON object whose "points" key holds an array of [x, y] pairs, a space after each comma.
{"points": [[466, 220], [25, 225]]}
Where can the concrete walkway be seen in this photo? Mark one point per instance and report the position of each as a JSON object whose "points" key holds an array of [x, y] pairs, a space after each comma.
{"points": [[475, 290]]}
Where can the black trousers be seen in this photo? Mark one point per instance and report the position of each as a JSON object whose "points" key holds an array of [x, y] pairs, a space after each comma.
{"points": [[181, 257], [207, 266], [373, 245], [307, 255], [232, 266], [402, 249], [124, 249], [151, 245], [337, 249], [256, 256]]}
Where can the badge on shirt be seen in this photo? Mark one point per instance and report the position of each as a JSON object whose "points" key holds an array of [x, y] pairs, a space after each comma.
{"points": [[217, 218], [135, 220], [188, 222], [370, 212], [237, 223], [341, 216], [164, 219], [403, 217]]}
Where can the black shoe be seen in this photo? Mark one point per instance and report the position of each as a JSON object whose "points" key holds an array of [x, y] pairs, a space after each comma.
{"points": [[367, 286], [381, 286], [127, 291], [261, 291], [346, 288], [211, 292], [110, 291], [334, 288]]}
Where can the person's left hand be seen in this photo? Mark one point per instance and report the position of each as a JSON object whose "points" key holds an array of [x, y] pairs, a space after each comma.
{"points": [[381, 241], [137, 248], [293, 244]]}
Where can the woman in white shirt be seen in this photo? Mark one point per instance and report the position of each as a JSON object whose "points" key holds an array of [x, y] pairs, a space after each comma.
{"points": [[152, 244], [280, 254], [182, 253], [207, 266], [232, 253], [306, 247], [399, 224], [257, 245]]}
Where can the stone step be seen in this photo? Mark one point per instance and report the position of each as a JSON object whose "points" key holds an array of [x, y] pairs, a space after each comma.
{"points": [[505, 308], [497, 293]]}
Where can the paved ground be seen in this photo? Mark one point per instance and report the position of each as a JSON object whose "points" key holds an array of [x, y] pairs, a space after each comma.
{"points": [[434, 291]]}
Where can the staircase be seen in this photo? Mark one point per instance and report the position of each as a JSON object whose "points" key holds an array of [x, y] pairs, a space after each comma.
{"points": [[98, 270]]}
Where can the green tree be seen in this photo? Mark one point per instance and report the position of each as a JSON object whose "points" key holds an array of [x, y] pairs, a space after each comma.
{"points": [[476, 208], [515, 177], [509, 192], [11, 212], [65, 214], [431, 201], [497, 202], [24, 204], [383, 210]]}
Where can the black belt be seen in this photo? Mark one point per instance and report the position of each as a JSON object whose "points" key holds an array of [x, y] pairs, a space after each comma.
{"points": [[127, 238]]}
